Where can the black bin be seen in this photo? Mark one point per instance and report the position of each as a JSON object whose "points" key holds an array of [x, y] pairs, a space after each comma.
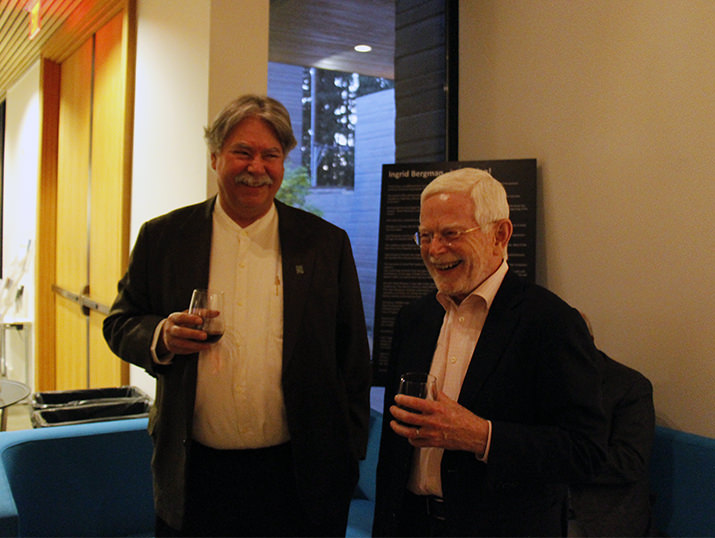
{"points": [[73, 398], [90, 412]]}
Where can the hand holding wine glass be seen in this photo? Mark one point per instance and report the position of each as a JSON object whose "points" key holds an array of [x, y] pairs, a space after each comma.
{"points": [[209, 305], [418, 385]]}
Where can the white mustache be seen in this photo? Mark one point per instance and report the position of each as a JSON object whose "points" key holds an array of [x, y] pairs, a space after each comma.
{"points": [[252, 181]]}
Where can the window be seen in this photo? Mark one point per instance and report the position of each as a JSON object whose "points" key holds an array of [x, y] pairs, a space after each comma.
{"points": [[337, 173], [330, 116], [340, 176]]}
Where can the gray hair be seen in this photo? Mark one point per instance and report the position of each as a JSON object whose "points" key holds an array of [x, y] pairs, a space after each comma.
{"points": [[268, 109], [489, 196]]}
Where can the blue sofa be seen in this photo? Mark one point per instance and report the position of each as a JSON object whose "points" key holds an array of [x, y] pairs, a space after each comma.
{"points": [[90, 479], [682, 477], [94, 479]]}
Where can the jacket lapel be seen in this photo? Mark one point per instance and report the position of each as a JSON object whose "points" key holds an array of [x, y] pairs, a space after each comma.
{"points": [[297, 265], [194, 243], [496, 334], [426, 336]]}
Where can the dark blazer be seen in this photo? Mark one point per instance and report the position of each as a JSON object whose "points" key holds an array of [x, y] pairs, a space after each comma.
{"points": [[534, 374], [617, 502], [326, 368]]}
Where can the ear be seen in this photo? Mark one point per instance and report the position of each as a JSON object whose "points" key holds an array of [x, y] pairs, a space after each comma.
{"points": [[213, 161], [502, 234]]}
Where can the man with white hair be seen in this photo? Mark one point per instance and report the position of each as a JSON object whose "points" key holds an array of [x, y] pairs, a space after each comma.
{"points": [[517, 412]]}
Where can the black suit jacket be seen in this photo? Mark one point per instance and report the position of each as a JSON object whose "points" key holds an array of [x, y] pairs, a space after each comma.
{"points": [[617, 502], [534, 374], [326, 368]]}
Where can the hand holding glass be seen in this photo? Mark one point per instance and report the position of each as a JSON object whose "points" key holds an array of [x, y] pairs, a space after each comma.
{"points": [[209, 305], [419, 385]]}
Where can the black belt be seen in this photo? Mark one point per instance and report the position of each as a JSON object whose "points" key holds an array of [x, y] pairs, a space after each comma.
{"points": [[246, 456], [436, 508]]}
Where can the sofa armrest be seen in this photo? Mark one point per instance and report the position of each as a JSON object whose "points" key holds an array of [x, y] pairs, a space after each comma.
{"points": [[682, 477], [89, 479]]}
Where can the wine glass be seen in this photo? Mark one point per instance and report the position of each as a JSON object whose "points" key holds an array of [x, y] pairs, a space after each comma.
{"points": [[418, 384], [209, 305]]}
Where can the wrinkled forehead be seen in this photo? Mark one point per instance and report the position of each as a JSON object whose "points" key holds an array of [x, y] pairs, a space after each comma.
{"points": [[447, 209]]}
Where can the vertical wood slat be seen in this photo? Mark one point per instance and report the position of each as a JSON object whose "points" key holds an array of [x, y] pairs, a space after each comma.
{"points": [[72, 244], [46, 249], [106, 193]]}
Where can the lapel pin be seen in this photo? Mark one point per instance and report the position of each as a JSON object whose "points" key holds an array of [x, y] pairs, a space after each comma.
{"points": [[299, 270]]}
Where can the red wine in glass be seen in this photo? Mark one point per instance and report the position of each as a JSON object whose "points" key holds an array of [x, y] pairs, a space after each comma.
{"points": [[212, 338], [209, 305]]}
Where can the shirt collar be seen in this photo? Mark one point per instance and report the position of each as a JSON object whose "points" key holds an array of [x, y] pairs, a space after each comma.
{"points": [[254, 229], [487, 290]]}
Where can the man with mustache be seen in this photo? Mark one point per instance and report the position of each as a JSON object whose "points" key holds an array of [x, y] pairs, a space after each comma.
{"points": [[260, 433], [517, 412]]}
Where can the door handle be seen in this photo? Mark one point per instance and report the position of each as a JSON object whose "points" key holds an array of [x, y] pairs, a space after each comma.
{"points": [[83, 299]]}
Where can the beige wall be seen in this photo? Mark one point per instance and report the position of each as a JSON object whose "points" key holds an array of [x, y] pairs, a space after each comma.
{"points": [[616, 100], [22, 137], [191, 60], [238, 54]]}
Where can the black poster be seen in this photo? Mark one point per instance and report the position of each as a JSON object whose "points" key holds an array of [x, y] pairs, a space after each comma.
{"points": [[401, 275]]}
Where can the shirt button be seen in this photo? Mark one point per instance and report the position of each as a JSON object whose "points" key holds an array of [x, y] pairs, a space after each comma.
{"points": [[453, 359], [461, 319]]}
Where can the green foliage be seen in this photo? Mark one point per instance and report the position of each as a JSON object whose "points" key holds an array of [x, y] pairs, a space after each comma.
{"points": [[294, 189]]}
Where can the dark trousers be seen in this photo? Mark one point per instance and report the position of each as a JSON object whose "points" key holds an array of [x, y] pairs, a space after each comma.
{"points": [[422, 516], [241, 493], [419, 518]]}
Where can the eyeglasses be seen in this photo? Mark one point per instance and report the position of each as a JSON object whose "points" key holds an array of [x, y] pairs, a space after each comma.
{"points": [[448, 236]]}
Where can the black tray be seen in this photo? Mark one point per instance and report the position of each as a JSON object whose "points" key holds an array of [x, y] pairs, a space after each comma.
{"points": [[71, 398], [95, 412]]}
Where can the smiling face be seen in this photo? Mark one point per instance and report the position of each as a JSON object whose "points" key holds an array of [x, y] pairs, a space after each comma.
{"points": [[459, 267], [249, 169]]}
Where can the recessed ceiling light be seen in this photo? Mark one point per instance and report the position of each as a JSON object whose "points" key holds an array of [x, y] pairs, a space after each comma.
{"points": [[363, 48]]}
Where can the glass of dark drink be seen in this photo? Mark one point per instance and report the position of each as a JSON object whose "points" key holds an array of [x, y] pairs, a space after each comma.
{"points": [[209, 305], [418, 384]]}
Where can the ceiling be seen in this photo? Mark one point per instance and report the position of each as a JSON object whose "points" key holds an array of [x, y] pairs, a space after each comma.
{"points": [[322, 33], [64, 23], [318, 33]]}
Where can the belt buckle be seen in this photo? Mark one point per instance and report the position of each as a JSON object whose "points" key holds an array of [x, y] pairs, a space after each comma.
{"points": [[435, 508]]}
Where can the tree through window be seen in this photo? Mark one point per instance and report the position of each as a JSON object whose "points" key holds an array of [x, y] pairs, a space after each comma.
{"points": [[329, 119]]}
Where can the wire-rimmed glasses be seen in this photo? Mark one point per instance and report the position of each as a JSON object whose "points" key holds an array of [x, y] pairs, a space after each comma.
{"points": [[448, 236]]}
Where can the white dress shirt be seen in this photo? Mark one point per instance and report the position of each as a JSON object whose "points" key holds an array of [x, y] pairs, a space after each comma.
{"points": [[239, 398], [461, 328]]}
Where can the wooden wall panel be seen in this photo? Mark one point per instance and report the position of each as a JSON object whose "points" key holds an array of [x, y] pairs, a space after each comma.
{"points": [[72, 182], [45, 333], [106, 193], [85, 192]]}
